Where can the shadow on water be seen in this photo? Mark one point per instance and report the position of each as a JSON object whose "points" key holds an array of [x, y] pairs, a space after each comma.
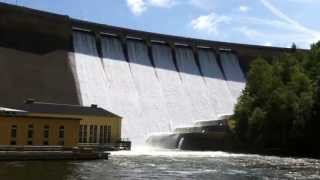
{"points": [[37, 170], [88, 46]]}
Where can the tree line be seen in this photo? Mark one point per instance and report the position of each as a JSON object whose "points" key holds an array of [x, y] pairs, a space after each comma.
{"points": [[280, 106]]}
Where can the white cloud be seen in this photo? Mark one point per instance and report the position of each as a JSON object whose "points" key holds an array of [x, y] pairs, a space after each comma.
{"points": [[203, 4], [304, 1], [162, 3], [137, 7], [282, 33], [294, 25], [267, 44], [261, 21], [250, 33], [244, 8], [209, 23]]}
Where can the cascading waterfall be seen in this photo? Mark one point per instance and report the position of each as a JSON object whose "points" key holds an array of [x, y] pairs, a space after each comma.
{"points": [[122, 96], [234, 75], [194, 84], [219, 91], [160, 98], [153, 104], [90, 73], [178, 102]]}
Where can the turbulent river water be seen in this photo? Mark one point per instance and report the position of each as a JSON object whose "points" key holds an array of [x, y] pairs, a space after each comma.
{"points": [[164, 164]]}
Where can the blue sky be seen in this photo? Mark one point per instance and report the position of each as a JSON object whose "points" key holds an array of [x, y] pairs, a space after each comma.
{"points": [[263, 22]]}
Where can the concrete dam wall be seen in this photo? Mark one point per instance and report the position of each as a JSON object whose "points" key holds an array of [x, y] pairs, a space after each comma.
{"points": [[155, 82], [34, 57]]}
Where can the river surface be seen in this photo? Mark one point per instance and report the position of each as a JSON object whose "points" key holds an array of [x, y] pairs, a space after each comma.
{"points": [[163, 164]]}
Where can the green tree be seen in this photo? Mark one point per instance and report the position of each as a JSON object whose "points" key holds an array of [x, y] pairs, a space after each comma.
{"points": [[280, 106]]}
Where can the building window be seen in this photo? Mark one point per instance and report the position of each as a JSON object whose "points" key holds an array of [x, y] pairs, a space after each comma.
{"points": [[45, 142], [46, 131], [13, 135], [61, 135], [46, 135], [91, 134], [30, 134], [109, 134], [85, 133], [101, 135], [105, 131], [95, 134], [61, 132], [81, 134], [30, 131], [13, 131]]}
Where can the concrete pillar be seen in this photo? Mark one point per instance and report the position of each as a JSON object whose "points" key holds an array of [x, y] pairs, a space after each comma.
{"points": [[196, 57], [149, 47], [173, 51], [123, 40], [97, 36]]}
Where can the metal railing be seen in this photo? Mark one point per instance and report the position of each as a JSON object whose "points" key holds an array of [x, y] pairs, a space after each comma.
{"points": [[120, 145]]}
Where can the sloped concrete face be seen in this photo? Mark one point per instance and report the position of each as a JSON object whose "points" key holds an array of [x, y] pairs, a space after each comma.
{"points": [[34, 57], [43, 77], [33, 31]]}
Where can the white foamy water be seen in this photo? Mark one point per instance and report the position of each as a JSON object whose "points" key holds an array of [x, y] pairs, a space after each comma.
{"points": [[235, 77], [215, 82], [154, 99], [157, 152], [155, 113], [194, 84], [90, 73], [122, 95], [177, 100]]}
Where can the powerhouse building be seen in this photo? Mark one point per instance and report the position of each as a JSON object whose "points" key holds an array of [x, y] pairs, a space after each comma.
{"points": [[50, 124]]}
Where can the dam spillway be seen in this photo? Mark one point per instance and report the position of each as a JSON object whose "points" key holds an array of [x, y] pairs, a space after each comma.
{"points": [[155, 82], [155, 88]]}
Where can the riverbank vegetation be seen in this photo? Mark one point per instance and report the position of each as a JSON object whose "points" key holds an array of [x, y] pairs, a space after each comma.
{"points": [[280, 106]]}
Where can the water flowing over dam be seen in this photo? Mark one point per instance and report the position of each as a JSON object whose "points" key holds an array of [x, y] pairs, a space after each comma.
{"points": [[156, 82], [155, 88]]}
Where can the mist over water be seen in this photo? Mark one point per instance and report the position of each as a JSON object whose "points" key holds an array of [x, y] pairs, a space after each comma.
{"points": [[152, 88]]}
